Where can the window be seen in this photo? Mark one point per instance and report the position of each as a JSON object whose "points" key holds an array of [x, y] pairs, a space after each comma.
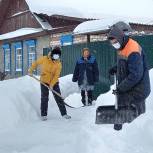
{"points": [[7, 57], [31, 51], [18, 48], [18, 59], [46, 51], [32, 55], [7, 60]]}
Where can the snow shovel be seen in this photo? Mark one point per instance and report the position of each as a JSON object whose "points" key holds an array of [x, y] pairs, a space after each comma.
{"points": [[51, 90], [114, 114]]}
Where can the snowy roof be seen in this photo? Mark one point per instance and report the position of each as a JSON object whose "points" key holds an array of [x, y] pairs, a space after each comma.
{"points": [[94, 26], [51, 8], [20, 32], [141, 21]]}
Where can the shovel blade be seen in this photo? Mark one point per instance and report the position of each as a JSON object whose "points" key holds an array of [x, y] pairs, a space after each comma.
{"points": [[109, 115]]}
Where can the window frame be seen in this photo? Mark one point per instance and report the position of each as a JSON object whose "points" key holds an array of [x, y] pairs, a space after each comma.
{"points": [[19, 45], [18, 58], [31, 53], [29, 44], [7, 52], [7, 47]]}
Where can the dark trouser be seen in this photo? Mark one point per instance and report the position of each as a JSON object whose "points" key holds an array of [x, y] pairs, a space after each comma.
{"points": [[89, 94], [141, 109], [44, 100]]}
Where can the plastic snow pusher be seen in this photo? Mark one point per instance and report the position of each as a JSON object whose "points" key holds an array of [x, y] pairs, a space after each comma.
{"points": [[114, 114]]}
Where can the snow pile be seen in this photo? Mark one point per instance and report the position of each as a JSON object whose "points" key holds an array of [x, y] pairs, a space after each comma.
{"points": [[21, 130], [20, 99], [19, 32]]}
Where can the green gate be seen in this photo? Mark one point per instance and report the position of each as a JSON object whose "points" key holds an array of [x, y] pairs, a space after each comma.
{"points": [[104, 54], [146, 43]]}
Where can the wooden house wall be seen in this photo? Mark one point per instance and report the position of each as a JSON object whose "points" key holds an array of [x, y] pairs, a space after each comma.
{"points": [[3, 7], [140, 27], [56, 21], [13, 22]]}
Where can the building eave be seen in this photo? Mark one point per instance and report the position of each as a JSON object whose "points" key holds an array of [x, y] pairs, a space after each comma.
{"points": [[40, 34], [25, 37]]}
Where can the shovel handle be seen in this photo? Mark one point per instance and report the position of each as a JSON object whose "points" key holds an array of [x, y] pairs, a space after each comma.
{"points": [[46, 86], [116, 98]]}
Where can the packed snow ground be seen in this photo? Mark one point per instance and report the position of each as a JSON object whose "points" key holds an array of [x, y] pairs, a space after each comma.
{"points": [[21, 130]]}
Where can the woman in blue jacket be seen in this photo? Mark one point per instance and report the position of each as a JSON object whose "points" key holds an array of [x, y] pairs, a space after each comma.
{"points": [[86, 73]]}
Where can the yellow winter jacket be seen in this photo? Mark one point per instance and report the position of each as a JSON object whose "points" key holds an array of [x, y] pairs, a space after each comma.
{"points": [[50, 70]]}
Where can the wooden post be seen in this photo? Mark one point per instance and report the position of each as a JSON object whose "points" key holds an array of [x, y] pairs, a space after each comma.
{"points": [[88, 38]]}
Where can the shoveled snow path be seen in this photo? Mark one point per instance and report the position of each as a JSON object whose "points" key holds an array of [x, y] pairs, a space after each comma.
{"points": [[21, 130], [56, 134]]}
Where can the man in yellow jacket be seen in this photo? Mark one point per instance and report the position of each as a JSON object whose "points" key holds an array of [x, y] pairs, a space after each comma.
{"points": [[50, 72]]}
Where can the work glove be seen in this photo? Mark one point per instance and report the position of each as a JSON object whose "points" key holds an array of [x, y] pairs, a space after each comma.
{"points": [[115, 92], [112, 71]]}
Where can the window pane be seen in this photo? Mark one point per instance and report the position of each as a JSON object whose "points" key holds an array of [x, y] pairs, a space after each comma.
{"points": [[19, 59], [7, 59], [32, 54], [46, 51]]}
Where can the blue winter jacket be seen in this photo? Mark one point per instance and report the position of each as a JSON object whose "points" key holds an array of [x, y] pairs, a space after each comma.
{"points": [[91, 68], [133, 75]]}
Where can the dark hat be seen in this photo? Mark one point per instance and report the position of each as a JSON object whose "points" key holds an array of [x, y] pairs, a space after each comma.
{"points": [[56, 50], [116, 33], [119, 33], [119, 30], [125, 27]]}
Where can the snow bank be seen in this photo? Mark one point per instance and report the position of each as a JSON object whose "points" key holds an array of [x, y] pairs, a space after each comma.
{"points": [[20, 99]]}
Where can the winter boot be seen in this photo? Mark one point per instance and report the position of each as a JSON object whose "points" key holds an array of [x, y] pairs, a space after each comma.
{"points": [[43, 118], [117, 127], [89, 93], [66, 116], [83, 97]]}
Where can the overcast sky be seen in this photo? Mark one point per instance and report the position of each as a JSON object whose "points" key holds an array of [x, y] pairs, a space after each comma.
{"points": [[129, 8]]}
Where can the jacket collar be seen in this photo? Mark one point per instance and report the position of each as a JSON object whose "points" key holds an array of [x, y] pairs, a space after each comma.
{"points": [[88, 58]]}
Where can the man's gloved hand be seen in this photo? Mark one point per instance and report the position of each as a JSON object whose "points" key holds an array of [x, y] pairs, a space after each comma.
{"points": [[112, 71], [115, 92]]}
